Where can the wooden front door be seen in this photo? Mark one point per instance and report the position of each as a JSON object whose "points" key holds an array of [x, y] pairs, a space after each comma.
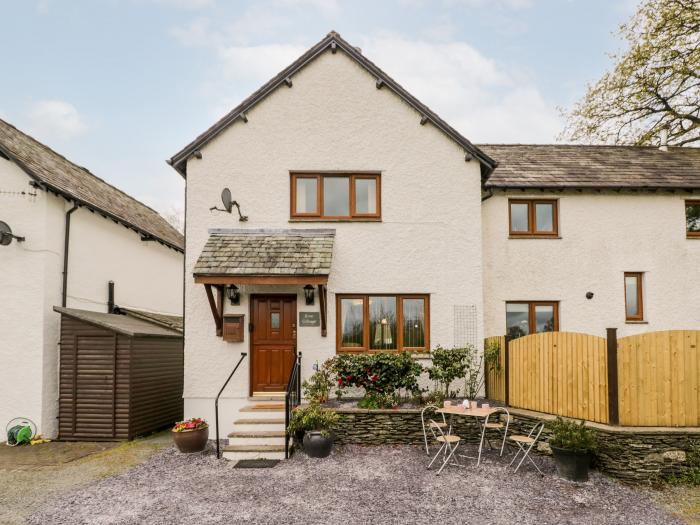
{"points": [[273, 341]]}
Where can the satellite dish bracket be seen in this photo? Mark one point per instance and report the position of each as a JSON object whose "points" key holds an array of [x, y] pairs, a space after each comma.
{"points": [[229, 204], [6, 234]]}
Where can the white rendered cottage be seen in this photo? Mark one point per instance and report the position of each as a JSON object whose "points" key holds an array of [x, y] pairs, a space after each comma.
{"points": [[366, 223], [76, 233]]}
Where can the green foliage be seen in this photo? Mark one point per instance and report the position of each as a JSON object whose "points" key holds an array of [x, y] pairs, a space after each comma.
{"points": [[378, 373], [449, 364], [570, 435], [374, 401], [691, 475], [313, 417], [318, 387]]}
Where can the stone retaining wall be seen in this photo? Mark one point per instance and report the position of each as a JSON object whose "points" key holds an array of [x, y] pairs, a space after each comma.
{"points": [[634, 454]]}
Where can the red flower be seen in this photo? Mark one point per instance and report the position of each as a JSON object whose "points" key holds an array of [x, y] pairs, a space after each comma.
{"points": [[374, 378]]}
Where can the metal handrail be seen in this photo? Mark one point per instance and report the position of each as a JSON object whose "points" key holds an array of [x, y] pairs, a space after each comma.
{"points": [[216, 403], [292, 399]]}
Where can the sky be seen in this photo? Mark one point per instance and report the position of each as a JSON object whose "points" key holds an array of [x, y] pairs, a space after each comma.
{"points": [[118, 86]]}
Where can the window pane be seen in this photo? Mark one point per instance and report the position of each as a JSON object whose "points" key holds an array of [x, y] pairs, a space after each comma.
{"points": [[336, 196], [306, 192], [519, 221], [414, 323], [382, 323], [692, 217], [517, 319], [544, 318], [366, 196], [631, 296], [352, 323], [544, 217], [275, 321]]}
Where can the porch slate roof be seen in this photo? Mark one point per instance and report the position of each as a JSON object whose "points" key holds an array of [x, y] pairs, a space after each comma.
{"points": [[267, 252]]}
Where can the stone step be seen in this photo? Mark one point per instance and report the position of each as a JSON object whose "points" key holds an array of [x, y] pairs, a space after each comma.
{"points": [[264, 411], [258, 424], [256, 433], [236, 452]]}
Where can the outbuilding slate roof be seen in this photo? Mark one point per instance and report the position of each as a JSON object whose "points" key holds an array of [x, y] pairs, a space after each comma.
{"points": [[122, 324], [267, 252], [56, 173], [581, 166], [174, 322]]}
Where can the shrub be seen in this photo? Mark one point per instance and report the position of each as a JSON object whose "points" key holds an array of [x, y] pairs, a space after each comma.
{"points": [[379, 374], [313, 417], [569, 435], [448, 364], [318, 387], [374, 401], [691, 475]]}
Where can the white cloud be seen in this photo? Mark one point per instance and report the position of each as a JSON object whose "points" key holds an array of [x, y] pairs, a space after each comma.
{"points": [[56, 119], [184, 4], [328, 8]]}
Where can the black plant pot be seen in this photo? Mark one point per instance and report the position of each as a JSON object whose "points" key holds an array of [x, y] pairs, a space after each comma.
{"points": [[299, 439], [316, 445], [571, 464]]}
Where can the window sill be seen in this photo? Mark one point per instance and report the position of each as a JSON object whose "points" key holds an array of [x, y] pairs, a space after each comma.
{"points": [[534, 237], [636, 322], [692, 236], [352, 219]]}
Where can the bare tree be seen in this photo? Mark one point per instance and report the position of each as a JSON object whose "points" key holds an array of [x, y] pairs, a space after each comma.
{"points": [[176, 217], [654, 86]]}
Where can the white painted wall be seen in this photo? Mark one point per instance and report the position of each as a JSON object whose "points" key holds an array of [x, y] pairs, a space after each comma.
{"points": [[147, 275], [603, 235], [334, 118]]}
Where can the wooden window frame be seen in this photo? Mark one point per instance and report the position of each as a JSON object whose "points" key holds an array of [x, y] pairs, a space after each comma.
{"points": [[532, 318], [352, 204], [531, 218], [640, 296], [688, 233], [399, 323]]}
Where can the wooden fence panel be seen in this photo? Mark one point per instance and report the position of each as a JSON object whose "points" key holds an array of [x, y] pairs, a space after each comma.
{"points": [[495, 379], [561, 373], [659, 378]]}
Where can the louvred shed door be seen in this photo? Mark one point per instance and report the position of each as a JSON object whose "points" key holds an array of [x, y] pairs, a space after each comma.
{"points": [[273, 342]]}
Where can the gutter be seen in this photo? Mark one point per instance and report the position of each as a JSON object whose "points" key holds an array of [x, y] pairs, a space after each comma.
{"points": [[66, 245]]}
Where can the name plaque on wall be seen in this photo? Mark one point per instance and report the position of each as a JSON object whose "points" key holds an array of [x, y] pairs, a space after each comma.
{"points": [[309, 319]]}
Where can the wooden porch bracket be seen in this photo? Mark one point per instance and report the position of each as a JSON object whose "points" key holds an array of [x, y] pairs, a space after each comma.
{"points": [[323, 303], [217, 307]]}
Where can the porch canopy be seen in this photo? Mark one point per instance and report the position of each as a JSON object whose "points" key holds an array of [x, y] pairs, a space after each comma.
{"points": [[264, 256]]}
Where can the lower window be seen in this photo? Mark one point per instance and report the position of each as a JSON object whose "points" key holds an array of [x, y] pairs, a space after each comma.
{"points": [[382, 323], [523, 318]]}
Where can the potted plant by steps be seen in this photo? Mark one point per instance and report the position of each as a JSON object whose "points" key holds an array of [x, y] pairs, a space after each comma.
{"points": [[317, 424], [191, 435], [573, 445]]}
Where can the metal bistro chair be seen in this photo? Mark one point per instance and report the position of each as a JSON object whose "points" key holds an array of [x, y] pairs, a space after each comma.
{"points": [[525, 444], [431, 426], [449, 444], [498, 426]]}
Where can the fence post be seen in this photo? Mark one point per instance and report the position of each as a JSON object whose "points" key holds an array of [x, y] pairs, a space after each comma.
{"points": [[506, 356], [613, 410]]}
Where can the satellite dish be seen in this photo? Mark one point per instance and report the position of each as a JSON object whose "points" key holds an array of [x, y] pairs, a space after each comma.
{"points": [[5, 234], [226, 199]]}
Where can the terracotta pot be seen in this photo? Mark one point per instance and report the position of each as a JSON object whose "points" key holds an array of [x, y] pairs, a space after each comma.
{"points": [[191, 441]]}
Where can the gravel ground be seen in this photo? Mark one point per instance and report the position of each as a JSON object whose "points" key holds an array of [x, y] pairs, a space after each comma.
{"points": [[354, 485]]}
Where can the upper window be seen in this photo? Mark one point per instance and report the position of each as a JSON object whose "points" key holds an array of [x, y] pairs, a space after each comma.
{"points": [[336, 196], [634, 303], [523, 318], [382, 322], [533, 217], [692, 218]]}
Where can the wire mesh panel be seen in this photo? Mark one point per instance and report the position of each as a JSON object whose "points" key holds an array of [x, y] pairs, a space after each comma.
{"points": [[465, 325]]}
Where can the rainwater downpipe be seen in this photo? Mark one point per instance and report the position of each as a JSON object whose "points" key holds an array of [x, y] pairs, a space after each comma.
{"points": [[66, 244]]}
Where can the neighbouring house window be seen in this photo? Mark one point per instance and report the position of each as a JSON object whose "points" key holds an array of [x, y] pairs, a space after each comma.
{"points": [[692, 218], [333, 196], [634, 303], [533, 217], [523, 318], [382, 323]]}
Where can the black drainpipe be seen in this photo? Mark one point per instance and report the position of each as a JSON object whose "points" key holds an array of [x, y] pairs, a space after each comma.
{"points": [[110, 297], [66, 243]]}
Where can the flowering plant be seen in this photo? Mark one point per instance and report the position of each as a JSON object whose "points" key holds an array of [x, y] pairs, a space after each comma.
{"points": [[196, 423]]}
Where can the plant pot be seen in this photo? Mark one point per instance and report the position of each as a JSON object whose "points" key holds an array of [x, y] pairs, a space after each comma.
{"points": [[191, 441], [299, 439], [316, 445], [571, 464]]}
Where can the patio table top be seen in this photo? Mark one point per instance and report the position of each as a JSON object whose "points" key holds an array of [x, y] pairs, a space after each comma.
{"points": [[473, 412]]}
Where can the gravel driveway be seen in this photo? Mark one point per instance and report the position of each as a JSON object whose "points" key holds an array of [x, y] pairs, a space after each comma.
{"points": [[355, 485]]}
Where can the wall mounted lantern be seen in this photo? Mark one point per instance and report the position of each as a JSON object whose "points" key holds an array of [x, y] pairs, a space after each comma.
{"points": [[233, 294], [309, 294]]}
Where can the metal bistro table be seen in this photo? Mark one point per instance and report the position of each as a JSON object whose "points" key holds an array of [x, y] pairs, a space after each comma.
{"points": [[477, 413]]}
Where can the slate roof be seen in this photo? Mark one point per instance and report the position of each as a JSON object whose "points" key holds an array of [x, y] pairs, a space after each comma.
{"points": [[174, 322], [581, 166], [54, 172], [122, 324], [334, 42], [267, 252]]}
